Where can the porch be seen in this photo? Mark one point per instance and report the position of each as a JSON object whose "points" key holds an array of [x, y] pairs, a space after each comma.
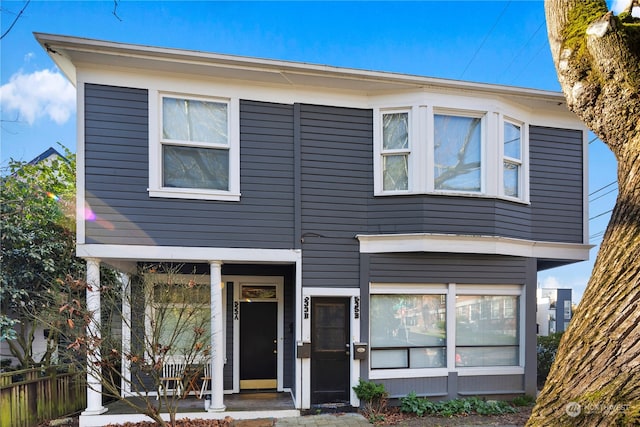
{"points": [[249, 405]]}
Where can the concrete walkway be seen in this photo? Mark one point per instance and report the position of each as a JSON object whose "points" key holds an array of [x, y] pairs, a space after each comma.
{"points": [[324, 420]]}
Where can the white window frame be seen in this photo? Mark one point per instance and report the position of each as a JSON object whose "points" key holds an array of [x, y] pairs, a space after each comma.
{"points": [[380, 152], [149, 303], [482, 115], [451, 290], [523, 162], [421, 147], [156, 188]]}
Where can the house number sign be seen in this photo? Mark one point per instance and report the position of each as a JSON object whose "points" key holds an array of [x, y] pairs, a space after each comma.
{"points": [[305, 309], [356, 307], [236, 310]]}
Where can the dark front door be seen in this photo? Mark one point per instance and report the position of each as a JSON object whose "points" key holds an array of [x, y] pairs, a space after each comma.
{"points": [[330, 350], [258, 345]]}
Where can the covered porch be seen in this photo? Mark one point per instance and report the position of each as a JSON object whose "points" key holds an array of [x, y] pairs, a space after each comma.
{"points": [[250, 405], [226, 393]]}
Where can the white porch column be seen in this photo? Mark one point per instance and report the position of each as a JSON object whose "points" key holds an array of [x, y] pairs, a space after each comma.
{"points": [[125, 385], [217, 339], [94, 371]]}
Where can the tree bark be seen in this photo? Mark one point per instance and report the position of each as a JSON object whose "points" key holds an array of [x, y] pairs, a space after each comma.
{"points": [[598, 362]]}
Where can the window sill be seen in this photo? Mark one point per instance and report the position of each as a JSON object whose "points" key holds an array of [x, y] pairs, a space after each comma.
{"points": [[179, 193], [380, 374], [490, 370], [451, 194]]}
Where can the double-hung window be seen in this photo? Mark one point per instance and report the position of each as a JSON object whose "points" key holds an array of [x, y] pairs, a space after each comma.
{"points": [[512, 160], [431, 149], [395, 151], [196, 155]]}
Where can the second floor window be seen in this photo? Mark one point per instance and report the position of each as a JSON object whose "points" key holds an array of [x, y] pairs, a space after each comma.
{"points": [[395, 151], [195, 144], [194, 148], [457, 153], [424, 149]]}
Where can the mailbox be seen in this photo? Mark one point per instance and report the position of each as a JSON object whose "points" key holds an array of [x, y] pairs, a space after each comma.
{"points": [[360, 350], [303, 350]]}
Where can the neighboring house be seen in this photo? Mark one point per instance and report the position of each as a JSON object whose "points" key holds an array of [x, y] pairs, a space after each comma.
{"points": [[405, 214], [554, 310], [39, 344]]}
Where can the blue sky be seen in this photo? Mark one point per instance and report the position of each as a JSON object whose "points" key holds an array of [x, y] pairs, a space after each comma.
{"points": [[501, 42]]}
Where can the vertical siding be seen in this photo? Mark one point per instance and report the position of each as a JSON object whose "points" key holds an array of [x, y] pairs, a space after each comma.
{"points": [[556, 158], [116, 147], [336, 179]]}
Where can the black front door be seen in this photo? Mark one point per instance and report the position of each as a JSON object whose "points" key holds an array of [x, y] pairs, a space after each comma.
{"points": [[258, 345], [330, 350]]}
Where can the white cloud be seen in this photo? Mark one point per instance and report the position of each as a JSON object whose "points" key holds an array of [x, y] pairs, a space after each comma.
{"points": [[43, 93]]}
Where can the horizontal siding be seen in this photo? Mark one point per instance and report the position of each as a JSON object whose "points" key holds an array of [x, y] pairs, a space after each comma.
{"points": [[336, 181], [116, 147], [556, 183], [491, 384], [400, 387], [446, 268]]}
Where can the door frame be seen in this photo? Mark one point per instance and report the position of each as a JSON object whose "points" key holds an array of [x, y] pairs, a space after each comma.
{"points": [[354, 319], [238, 281]]}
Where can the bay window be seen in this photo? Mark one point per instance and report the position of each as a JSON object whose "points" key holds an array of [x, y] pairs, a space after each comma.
{"points": [[425, 149]]}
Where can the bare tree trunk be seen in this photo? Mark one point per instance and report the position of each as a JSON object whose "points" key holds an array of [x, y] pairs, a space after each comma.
{"points": [[595, 379]]}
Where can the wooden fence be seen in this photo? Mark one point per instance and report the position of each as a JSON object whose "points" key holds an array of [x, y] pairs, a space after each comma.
{"points": [[30, 396]]}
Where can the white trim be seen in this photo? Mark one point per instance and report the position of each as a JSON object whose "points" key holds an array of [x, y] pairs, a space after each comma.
{"points": [[451, 290], [187, 254], [354, 327], [455, 243], [156, 143], [73, 53], [238, 282], [125, 384], [585, 186], [81, 207], [491, 370]]}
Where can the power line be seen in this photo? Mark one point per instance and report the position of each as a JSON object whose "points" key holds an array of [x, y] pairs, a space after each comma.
{"points": [[521, 50], [602, 195], [601, 214], [485, 39], [602, 188]]}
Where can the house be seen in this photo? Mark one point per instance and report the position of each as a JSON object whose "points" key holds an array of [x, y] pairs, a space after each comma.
{"points": [[554, 310], [391, 225]]}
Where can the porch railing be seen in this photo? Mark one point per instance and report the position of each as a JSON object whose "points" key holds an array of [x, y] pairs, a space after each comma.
{"points": [[30, 396]]}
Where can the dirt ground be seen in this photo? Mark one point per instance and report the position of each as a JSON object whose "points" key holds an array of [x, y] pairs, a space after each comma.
{"points": [[402, 420], [392, 418]]}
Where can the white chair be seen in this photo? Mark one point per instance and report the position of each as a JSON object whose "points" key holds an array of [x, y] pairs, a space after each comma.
{"points": [[206, 379], [172, 374]]}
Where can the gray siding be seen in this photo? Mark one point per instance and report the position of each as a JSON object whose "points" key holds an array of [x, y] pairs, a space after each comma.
{"points": [[332, 150], [556, 184], [116, 147], [446, 268], [335, 183]]}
